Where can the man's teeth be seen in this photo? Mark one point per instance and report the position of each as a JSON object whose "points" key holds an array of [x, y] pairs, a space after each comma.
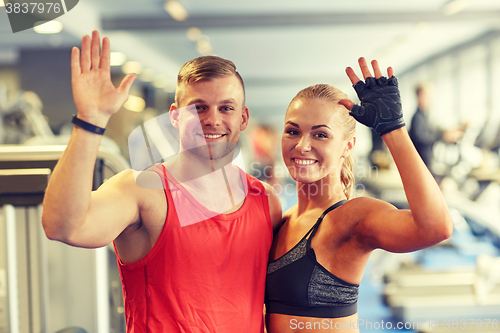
{"points": [[304, 162], [209, 136]]}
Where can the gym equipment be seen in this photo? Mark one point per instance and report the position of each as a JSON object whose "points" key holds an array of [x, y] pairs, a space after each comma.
{"points": [[22, 118], [72, 330], [418, 295], [47, 286]]}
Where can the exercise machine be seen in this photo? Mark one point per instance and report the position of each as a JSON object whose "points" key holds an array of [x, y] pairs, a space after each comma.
{"points": [[47, 286]]}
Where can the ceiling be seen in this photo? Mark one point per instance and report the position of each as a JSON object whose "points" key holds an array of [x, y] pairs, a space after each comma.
{"points": [[278, 46]]}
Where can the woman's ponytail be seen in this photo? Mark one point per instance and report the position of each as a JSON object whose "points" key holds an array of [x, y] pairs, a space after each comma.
{"points": [[347, 175]]}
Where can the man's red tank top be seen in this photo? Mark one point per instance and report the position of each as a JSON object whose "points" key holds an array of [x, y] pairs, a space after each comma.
{"points": [[203, 277]]}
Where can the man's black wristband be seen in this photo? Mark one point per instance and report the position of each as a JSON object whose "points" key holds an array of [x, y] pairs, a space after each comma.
{"points": [[87, 126]]}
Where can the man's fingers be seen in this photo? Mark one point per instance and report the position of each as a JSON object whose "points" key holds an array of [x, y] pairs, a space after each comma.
{"points": [[95, 49], [105, 54], [75, 63], [364, 68], [352, 76], [376, 69], [126, 83], [85, 55]]}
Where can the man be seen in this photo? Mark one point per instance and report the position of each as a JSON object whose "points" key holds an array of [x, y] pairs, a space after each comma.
{"points": [[423, 133], [200, 273]]}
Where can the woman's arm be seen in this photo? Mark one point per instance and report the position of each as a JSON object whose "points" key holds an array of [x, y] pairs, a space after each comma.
{"points": [[428, 221], [382, 225]]}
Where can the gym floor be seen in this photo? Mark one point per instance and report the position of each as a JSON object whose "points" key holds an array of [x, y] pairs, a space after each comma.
{"points": [[371, 309]]}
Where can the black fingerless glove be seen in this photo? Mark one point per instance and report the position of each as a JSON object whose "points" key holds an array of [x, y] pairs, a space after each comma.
{"points": [[380, 104]]}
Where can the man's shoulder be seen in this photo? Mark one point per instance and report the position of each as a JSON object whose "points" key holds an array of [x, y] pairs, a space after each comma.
{"points": [[134, 182], [149, 179], [254, 184], [274, 203]]}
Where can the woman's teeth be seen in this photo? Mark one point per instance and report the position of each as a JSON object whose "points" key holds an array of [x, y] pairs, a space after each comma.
{"points": [[304, 162]]}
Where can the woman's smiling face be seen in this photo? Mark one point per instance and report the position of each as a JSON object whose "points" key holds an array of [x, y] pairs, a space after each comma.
{"points": [[313, 143]]}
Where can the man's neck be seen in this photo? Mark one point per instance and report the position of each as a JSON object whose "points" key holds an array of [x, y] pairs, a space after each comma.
{"points": [[208, 186], [186, 166]]}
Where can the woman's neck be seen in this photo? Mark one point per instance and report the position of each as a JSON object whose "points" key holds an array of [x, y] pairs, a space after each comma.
{"points": [[319, 194]]}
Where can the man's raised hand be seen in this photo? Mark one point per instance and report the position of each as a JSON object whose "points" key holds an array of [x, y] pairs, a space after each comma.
{"points": [[95, 96]]}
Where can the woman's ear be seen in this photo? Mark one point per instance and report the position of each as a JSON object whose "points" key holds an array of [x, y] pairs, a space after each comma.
{"points": [[349, 146]]}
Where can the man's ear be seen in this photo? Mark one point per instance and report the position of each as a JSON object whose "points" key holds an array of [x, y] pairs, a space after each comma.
{"points": [[245, 117], [174, 116]]}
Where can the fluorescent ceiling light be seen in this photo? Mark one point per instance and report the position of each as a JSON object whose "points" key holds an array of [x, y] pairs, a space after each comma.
{"points": [[147, 75], [51, 27], [193, 34], [117, 58], [2, 4], [132, 67], [203, 45], [176, 11], [160, 81], [455, 6], [135, 104]]}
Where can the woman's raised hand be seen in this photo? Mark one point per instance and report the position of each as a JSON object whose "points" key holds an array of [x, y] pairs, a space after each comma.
{"points": [[380, 106], [95, 96]]}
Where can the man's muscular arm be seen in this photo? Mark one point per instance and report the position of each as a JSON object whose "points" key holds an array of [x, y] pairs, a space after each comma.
{"points": [[72, 213]]}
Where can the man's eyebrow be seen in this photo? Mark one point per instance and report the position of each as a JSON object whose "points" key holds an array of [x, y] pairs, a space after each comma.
{"points": [[202, 101], [314, 127], [197, 100]]}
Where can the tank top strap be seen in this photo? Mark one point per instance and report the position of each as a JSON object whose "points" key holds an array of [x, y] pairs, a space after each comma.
{"points": [[320, 219]]}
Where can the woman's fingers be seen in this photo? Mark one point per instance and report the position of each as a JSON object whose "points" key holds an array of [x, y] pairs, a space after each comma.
{"points": [[366, 71], [348, 104], [352, 76], [376, 69], [390, 72], [364, 68]]}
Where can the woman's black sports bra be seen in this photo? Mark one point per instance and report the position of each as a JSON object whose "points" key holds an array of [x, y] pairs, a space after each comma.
{"points": [[298, 285]]}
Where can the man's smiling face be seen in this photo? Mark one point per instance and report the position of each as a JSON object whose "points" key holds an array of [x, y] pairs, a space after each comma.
{"points": [[210, 116]]}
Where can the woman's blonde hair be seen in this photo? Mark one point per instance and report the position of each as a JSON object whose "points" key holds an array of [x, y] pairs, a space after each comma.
{"points": [[346, 121]]}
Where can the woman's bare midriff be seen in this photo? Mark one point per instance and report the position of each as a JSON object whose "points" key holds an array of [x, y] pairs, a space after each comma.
{"points": [[279, 323]]}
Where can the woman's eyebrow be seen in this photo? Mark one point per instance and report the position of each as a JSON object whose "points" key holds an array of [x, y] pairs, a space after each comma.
{"points": [[318, 126], [313, 128], [292, 123]]}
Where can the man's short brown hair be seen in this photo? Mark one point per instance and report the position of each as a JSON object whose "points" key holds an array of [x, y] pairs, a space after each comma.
{"points": [[206, 68]]}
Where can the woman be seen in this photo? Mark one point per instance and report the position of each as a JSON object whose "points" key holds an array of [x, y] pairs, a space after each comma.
{"points": [[319, 254]]}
